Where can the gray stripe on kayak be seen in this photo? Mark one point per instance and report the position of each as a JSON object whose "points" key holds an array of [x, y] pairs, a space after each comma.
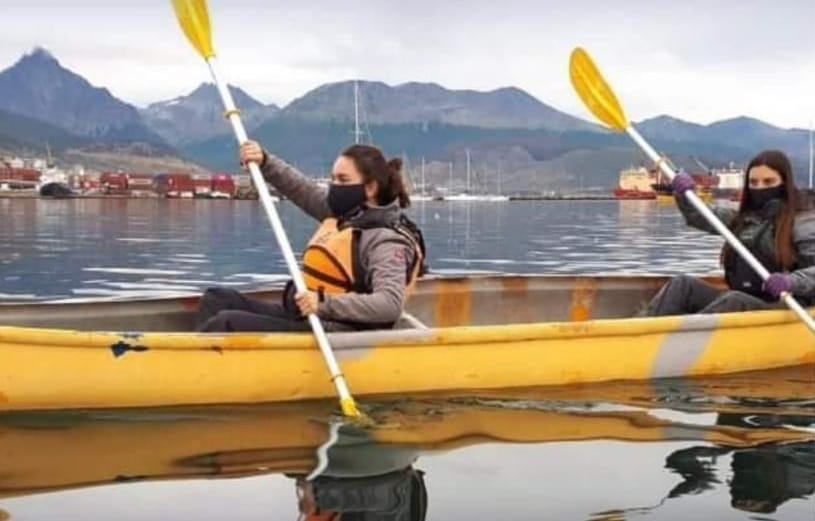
{"points": [[682, 347], [684, 433], [357, 343]]}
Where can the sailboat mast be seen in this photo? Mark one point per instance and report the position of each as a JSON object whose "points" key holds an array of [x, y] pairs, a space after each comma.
{"points": [[500, 170], [357, 131], [467, 150], [450, 173], [423, 182], [406, 170], [811, 153]]}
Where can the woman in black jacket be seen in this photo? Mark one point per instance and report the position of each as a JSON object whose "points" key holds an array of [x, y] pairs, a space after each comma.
{"points": [[775, 221]]}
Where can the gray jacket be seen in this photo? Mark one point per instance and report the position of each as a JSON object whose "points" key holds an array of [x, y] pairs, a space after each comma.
{"points": [[756, 235], [386, 254]]}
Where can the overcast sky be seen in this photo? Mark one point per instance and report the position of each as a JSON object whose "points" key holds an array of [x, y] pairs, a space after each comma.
{"points": [[700, 60]]}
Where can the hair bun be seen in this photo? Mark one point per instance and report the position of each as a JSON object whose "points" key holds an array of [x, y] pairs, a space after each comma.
{"points": [[395, 164]]}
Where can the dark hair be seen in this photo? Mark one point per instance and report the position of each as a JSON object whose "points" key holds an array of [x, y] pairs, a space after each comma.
{"points": [[371, 163], [784, 249]]}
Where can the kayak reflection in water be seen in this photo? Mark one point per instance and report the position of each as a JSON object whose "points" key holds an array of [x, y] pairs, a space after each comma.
{"points": [[763, 477], [357, 479]]}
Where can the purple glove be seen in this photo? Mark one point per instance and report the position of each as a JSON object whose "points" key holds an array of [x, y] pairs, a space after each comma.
{"points": [[778, 283], [682, 183]]}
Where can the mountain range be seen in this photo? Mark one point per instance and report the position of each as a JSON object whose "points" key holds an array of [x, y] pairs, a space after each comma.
{"points": [[199, 115], [511, 136], [428, 102], [38, 87]]}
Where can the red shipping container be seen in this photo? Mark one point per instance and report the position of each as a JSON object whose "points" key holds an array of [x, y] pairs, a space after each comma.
{"points": [[223, 184], [20, 174], [140, 181], [113, 180], [174, 185]]}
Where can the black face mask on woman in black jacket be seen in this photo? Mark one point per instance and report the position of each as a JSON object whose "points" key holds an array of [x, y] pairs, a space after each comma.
{"points": [[757, 198]]}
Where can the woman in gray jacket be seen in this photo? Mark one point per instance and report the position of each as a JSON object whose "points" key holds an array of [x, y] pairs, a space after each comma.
{"points": [[359, 266]]}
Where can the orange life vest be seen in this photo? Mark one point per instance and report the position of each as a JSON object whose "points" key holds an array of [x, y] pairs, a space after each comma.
{"points": [[332, 262], [323, 516]]}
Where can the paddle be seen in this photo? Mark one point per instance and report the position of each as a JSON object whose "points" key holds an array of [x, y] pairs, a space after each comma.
{"points": [[194, 20], [601, 101]]}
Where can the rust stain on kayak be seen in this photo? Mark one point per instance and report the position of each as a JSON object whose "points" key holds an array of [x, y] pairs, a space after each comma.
{"points": [[514, 300], [453, 303], [583, 293]]}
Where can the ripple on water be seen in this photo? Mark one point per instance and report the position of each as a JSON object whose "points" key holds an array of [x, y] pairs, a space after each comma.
{"points": [[135, 271]]}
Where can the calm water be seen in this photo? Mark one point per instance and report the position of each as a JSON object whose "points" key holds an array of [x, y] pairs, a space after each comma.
{"points": [[100, 247], [740, 447]]}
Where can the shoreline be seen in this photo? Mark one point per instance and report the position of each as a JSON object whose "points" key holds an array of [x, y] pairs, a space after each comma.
{"points": [[512, 198], [30, 194]]}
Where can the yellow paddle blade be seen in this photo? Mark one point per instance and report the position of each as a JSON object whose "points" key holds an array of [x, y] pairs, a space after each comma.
{"points": [[594, 91], [194, 20]]}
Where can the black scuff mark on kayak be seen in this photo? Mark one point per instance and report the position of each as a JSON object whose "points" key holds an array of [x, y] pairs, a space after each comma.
{"points": [[121, 347], [127, 479], [218, 349]]}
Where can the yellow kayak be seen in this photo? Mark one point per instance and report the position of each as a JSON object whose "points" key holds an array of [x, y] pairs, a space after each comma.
{"points": [[476, 332]]}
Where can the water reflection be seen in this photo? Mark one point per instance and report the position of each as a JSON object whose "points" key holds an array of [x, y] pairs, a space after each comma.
{"points": [[397, 496], [729, 441], [357, 478], [763, 477]]}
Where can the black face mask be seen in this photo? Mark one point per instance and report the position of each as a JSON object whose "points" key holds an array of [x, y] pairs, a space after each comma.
{"points": [[343, 199], [757, 198]]}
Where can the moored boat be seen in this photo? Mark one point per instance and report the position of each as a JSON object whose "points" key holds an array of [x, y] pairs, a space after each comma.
{"points": [[634, 183], [479, 332]]}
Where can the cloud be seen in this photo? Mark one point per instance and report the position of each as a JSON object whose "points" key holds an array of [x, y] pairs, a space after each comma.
{"points": [[698, 60]]}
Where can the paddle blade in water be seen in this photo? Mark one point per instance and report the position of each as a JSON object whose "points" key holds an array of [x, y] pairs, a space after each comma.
{"points": [[594, 91], [349, 408], [194, 20]]}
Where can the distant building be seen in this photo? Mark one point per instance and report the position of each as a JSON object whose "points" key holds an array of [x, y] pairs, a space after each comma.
{"points": [[140, 185], [203, 184], [13, 178], [15, 162], [223, 186], [114, 183], [174, 185]]}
